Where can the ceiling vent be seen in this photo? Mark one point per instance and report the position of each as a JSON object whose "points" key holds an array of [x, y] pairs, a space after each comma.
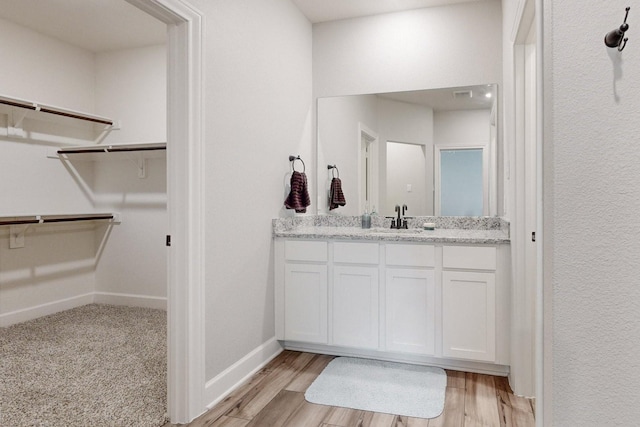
{"points": [[462, 94]]}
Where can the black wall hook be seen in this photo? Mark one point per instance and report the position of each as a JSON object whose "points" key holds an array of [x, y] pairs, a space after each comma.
{"points": [[615, 38]]}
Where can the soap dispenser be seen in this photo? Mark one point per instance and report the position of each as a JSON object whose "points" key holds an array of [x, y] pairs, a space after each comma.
{"points": [[366, 218]]}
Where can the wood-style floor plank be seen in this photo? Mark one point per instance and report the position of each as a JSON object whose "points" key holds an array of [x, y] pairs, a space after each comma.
{"points": [[235, 397], [456, 379], [515, 411], [402, 421], [377, 419], [307, 414], [258, 397], [276, 412], [344, 417], [303, 380], [225, 421], [480, 402], [454, 409], [274, 397]]}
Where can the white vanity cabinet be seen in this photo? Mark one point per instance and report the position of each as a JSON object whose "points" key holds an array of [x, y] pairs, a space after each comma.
{"points": [[305, 292], [354, 295], [410, 302], [444, 304], [469, 302]]}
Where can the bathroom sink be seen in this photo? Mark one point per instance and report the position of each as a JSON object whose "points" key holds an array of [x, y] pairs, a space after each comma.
{"points": [[396, 231]]}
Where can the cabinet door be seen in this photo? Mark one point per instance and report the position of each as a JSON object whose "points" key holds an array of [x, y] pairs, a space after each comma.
{"points": [[469, 315], [410, 310], [305, 303], [355, 306]]}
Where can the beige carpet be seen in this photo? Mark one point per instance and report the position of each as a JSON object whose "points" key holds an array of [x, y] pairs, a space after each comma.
{"points": [[96, 365]]}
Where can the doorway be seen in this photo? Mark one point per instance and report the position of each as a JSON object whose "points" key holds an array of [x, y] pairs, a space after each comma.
{"points": [[407, 178], [368, 169], [185, 202], [525, 231], [184, 197], [460, 181]]}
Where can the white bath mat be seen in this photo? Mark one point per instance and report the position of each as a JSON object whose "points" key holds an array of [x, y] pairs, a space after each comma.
{"points": [[373, 385]]}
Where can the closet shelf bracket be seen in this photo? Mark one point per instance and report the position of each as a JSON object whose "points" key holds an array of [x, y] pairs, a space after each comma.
{"points": [[15, 123], [141, 165], [16, 236]]}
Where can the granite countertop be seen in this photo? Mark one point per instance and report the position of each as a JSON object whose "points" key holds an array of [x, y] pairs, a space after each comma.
{"points": [[471, 230], [387, 235]]}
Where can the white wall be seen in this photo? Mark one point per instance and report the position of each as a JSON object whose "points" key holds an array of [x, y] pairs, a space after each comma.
{"points": [[258, 112], [462, 128], [592, 200], [131, 87], [436, 47], [54, 264]]}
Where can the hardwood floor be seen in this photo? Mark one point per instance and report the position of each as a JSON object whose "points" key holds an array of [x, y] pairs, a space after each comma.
{"points": [[274, 397]]}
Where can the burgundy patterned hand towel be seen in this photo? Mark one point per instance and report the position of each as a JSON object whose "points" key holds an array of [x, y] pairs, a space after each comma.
{"points": [[336, 196], [298, 198]]}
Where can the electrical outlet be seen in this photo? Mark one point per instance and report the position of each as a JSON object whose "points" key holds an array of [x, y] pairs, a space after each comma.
{"points": [[409, 188]]}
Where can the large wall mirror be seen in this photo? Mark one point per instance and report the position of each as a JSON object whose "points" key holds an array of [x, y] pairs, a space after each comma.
{"points": [[433, 150]]}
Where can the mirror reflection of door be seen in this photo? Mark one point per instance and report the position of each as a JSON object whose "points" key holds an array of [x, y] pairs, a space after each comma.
{"points": [[460, 182], [407, 178], [368, 189]]}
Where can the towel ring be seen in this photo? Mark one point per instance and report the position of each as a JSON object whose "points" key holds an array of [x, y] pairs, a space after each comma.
{"points": [[332, 167], [293, 159]]}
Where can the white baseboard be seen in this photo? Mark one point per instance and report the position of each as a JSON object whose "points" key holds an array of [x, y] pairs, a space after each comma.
{"points": [[441, 362], [31, 313], [231, 378], [53, 307], [130, 300]]}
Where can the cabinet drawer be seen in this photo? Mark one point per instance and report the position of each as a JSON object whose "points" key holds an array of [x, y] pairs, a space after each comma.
{"points": [[469, 257], [410, 255], [355, 253], [301, 250]]}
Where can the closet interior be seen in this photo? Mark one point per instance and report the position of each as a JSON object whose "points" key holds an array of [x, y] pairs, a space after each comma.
{"points": [[83, 212]]}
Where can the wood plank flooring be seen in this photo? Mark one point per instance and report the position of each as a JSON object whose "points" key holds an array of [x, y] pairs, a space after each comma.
{"points": [[274, 397]]}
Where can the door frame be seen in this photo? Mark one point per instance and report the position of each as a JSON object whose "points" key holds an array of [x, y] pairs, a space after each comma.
{"points": [[372, 139], [529, 18], [185, 205]]}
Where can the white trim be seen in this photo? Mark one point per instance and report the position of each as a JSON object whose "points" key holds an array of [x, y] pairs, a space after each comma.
{"points": [[231, 378], [30, 313], [525, 161], [37, 311], [543, 356], [130, 300], [185, 203], [445, 363]]}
